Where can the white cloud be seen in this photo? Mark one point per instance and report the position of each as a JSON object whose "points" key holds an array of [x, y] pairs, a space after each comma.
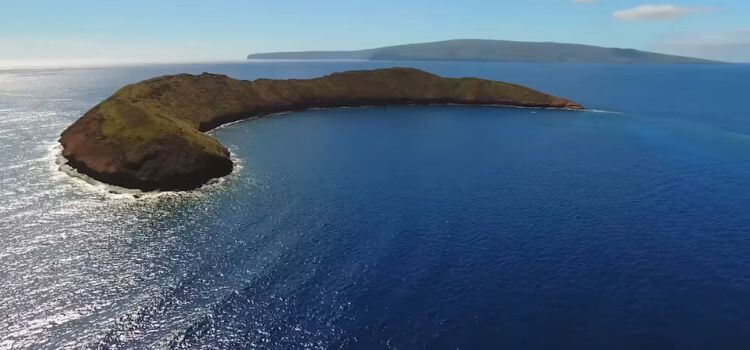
{"points": [[656, 12]]}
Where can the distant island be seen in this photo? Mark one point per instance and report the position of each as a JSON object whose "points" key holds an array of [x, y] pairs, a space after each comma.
{"points": [[150, 135], [488, 50]]}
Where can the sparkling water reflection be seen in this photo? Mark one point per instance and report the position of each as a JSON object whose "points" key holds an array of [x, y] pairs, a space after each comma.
{"points": [[403, 227]]}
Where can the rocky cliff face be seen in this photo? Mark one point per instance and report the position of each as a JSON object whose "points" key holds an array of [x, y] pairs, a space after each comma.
{"points": [[149, 135]]}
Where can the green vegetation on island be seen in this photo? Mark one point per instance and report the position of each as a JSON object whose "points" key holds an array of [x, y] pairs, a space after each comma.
{"points": [[150, 135]]}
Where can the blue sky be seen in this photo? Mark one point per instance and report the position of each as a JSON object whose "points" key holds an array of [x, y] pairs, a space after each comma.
{"points": [[187, 30]]}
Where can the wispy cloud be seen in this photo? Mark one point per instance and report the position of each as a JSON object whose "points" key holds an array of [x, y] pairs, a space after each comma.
{"points": [[657, 12]]}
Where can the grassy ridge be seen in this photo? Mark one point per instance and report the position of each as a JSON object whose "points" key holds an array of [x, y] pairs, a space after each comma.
{"points": [[149, 135]]}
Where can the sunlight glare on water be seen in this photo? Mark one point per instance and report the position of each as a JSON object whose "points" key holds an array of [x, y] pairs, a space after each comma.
{"points": [[399, 227]]}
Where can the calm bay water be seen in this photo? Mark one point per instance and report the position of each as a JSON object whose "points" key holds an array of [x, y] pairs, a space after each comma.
{"points": [[399, 227]]}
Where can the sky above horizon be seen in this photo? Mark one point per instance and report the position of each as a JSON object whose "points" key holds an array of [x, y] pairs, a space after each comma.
{"points": [[102, 31]]}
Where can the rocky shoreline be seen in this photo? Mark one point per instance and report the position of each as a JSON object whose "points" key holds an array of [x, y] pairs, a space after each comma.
{"points": [[150, 135]]}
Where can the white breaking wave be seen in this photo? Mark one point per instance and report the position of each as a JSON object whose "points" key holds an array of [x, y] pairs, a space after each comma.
{"points": [[601, 111], [61, 170]]}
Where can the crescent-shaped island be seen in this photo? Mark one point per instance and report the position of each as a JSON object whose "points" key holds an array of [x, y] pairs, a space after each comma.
{"points": [[151, 135]]}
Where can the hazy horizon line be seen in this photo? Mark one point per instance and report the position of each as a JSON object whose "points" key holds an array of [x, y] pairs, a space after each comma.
{"points": [[101, 62], [105, 63]]}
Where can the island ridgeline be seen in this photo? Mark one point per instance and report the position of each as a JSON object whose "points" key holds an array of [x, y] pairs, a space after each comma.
{"points": [[151, 135], [490, 50]]}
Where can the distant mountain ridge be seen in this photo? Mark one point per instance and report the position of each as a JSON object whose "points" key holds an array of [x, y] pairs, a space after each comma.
{"points": [[490, 50]]}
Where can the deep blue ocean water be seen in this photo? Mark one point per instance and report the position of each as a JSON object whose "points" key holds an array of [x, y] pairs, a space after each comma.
{"points": [[623, 227]]}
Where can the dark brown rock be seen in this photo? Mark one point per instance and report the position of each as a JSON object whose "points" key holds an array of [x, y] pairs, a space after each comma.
{"points": [[149, 135]]}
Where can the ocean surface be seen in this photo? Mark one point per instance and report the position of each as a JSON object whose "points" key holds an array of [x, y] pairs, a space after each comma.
{"points": [[623, 227]]}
